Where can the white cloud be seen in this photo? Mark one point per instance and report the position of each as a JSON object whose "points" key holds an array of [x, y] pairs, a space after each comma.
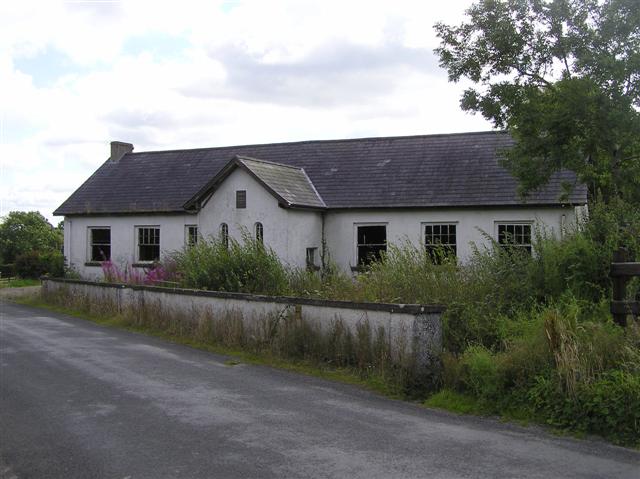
{"points": [[203, 73]]}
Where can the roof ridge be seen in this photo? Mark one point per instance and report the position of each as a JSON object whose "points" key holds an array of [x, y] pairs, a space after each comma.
{"points": [[335, 140], [251, 158]]}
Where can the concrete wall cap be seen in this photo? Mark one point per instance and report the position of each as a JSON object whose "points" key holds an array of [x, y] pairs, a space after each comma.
{"points": [[390, 307]]}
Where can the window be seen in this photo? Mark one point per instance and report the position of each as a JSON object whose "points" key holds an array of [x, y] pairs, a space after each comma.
{"points": [[371, 242], [241, 199], [440, 241], [515, 235], [311, 258], [148, 243], [99, 244], [259, 233], [224, 234], [191, 235]]}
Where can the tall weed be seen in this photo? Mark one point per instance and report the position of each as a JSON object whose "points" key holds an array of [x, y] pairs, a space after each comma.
{"points": [[245, 266]]}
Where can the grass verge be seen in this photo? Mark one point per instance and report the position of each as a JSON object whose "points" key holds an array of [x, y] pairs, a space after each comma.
{"points": [[455, 402], [20, 283]]}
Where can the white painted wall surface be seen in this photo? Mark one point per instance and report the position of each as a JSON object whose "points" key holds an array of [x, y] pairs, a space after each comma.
{"points": [[290, 232], [402, 225], [123, 237], [287, 231]]}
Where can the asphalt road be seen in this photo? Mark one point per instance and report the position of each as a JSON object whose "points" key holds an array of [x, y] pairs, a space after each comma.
{"points": [[81, 401]]}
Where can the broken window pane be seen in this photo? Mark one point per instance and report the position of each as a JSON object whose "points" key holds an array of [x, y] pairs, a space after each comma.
{"points": [[372, 241]]}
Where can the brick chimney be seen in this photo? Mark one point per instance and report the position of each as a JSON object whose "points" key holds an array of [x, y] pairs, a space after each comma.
{"points": [[118, 150]]}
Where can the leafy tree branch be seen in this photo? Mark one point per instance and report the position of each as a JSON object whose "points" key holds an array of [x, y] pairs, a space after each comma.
{"points": [[563, 77]]}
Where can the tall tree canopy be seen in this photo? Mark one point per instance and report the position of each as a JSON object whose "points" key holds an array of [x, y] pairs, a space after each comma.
{"points": [[25, 232], [563, 77]]}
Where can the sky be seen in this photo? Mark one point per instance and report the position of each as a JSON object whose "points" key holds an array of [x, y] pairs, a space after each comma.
{"points": [[75, 75]]}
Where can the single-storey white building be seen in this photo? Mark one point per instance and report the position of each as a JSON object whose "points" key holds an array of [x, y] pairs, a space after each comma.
{"points": [[343, 200]]}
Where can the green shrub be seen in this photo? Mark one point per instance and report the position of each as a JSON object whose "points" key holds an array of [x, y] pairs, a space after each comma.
{"points": [[407, 274], [331, 283], [474, 293], [613, 225], [499, 279], [525, 356], [608, 406], [480, 374], [575, 263], [34, 264], [241, 266], [54, 263], [29, 265]]}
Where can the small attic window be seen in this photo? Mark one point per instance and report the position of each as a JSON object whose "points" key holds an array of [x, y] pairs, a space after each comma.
{"points": [[241, 198]]}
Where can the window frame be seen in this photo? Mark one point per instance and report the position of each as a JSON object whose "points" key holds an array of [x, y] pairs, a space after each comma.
{"points": [[311, 254], [241, 199], [258, 231], [423, 238], [528, 247], [90, 243], [189, 238], [356, 251], [137, 230], [223, 231]]}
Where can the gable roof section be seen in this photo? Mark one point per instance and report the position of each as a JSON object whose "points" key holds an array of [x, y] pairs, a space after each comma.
{"points": [[453, 170], [290, 185]]}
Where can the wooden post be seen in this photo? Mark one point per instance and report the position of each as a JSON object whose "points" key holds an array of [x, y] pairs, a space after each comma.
{"points": [[620, 286]]}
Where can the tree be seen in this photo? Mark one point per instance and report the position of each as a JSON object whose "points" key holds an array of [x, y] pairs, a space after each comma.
{"points": [[27, 232], [563, 77]]}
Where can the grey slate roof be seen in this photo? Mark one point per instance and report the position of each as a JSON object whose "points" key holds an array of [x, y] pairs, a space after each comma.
{"points": [[289, 184], [424, 171]]}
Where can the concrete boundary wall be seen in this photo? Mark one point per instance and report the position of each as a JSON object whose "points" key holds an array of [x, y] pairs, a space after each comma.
{"points": [[416, 328]]}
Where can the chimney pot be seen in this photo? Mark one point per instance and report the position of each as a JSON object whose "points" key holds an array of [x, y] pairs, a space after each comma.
{"points": [[119, 149]]}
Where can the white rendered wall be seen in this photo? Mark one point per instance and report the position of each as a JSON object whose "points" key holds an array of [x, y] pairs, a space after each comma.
{"points": [[288, 232], [123, 238], [402, 225]]}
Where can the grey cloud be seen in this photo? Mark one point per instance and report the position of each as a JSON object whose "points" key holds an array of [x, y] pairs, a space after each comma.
{"points": [[334, 74], [160, 119], [64, 141], [137, 118], [140, 136], [99, 11]]}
